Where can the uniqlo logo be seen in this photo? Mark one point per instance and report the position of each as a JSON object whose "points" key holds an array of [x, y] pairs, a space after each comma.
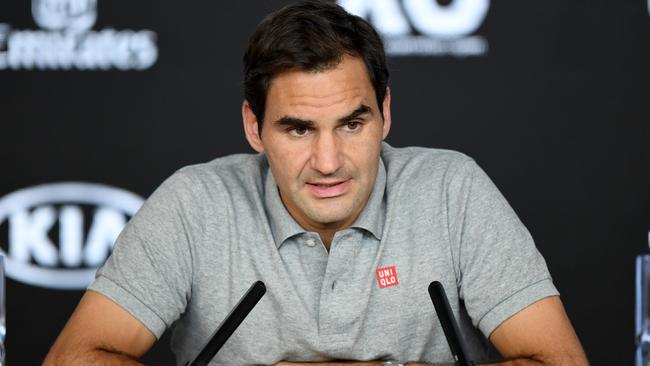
{"points": [[387, 277]]}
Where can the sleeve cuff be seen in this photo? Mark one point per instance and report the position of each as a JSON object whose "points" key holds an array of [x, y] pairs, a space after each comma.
{"points": [[515, 303], [130, 303]]}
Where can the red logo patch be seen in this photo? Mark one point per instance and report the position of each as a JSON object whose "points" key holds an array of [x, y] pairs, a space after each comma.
{"points": [[387, 277]]}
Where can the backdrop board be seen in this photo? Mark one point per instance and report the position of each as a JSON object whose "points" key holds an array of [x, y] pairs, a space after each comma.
{"points": [[100, 101]]}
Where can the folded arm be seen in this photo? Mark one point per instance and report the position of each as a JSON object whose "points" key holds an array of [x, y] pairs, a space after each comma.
{"points": [[356, 363], [539, 335], [100, 332]]}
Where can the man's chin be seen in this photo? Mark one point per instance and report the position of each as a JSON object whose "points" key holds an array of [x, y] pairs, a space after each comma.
{"points": [[326, 217]]}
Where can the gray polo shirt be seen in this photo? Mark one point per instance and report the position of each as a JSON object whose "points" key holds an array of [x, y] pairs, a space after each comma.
{"points": [[211, 230]]}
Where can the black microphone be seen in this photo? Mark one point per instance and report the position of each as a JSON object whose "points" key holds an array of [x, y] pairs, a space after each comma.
{"points": [[449, 325], [229, 324]]}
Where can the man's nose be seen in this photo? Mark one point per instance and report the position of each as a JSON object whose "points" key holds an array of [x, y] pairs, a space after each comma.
{"points": [[326, 154]]}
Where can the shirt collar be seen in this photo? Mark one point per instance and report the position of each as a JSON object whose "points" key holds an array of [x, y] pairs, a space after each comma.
{"points": [[372, 216], [283, 225]]}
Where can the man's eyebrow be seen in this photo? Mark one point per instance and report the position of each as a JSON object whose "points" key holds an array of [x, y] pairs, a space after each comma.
{"points": [[363, 109], [297, 122], [294, 122]]}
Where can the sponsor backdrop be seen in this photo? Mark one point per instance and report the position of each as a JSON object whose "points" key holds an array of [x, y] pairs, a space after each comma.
{"points": [[102, 100]]}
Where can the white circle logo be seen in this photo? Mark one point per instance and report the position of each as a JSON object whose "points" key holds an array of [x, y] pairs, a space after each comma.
{"points": [[76, 16]]}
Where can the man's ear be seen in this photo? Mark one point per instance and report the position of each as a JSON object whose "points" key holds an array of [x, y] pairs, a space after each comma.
{"points": [[251, 127], [386, 113]]}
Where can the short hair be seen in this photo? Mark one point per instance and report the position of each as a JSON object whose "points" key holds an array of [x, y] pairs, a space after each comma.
{"points": [[312, 36]]}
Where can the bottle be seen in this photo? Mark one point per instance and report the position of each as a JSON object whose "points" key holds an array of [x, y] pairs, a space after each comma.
{"points": [[642, 309]]}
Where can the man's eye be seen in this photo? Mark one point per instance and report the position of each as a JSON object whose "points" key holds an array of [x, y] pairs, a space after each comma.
{"points": [[298, 131], [352, 125]]}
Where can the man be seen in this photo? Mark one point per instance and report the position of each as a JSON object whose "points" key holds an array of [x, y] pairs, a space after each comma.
{"points": [[346, 231]]}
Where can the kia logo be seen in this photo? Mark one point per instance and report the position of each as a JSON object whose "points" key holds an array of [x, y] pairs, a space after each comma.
{"points": [[60, 233]]}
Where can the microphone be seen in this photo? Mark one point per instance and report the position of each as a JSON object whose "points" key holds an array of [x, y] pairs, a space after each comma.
{"points": [[229, 324], [449, 325]]}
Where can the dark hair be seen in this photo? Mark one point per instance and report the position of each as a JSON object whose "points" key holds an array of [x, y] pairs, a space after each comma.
{"points": [[312, 36]]}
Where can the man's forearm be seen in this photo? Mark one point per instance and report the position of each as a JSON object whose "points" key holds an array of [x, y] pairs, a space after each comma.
{"points": [[356, 363], [94, 357], [570, 361], [519, 362], [516, 362]]}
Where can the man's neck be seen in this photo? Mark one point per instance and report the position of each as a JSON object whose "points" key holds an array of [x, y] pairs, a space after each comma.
{"points": [[326, 237], [325, 231]]}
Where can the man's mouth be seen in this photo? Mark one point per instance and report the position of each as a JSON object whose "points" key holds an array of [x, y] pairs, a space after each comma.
{"points": [[326, 184], [329, 189]]}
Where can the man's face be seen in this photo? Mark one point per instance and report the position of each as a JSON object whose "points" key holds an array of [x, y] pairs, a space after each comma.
{"points": [[322, 135]]}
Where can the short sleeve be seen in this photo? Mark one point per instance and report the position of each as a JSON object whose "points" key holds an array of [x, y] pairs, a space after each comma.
{"points": [[500, 271], [149, 272]]}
